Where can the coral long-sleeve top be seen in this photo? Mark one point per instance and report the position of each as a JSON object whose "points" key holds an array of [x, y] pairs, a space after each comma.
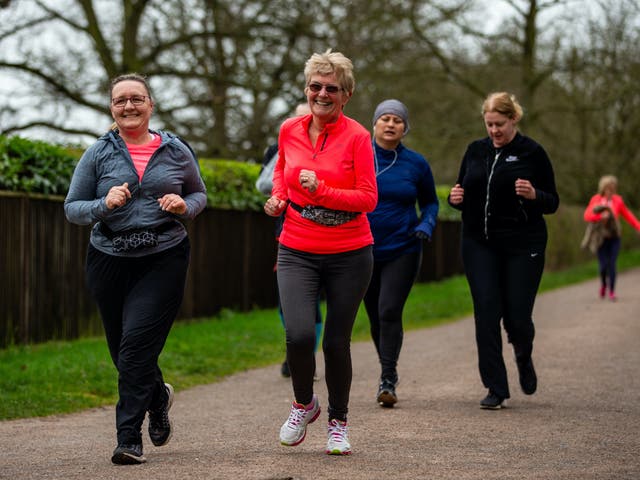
{"points": [[343, 161], [617, 206]]}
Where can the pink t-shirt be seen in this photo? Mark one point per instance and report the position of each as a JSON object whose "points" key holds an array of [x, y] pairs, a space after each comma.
{"points": [[140, 154]]}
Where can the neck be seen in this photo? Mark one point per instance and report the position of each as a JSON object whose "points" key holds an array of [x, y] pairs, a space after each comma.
{"points": [[387, 145], [318, 123], [135, 137]]}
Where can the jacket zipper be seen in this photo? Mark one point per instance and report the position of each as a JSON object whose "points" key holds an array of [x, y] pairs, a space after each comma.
{"points": [[324, 141], [487, 199]]}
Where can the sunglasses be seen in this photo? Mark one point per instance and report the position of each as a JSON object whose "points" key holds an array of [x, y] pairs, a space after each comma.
{"points": [[330, 89]]}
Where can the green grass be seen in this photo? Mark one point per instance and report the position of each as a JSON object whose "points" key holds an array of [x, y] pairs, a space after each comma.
{"points": [[62, 377]]}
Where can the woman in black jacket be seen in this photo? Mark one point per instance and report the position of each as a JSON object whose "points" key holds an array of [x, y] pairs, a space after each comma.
{"points": [[505, 185]]}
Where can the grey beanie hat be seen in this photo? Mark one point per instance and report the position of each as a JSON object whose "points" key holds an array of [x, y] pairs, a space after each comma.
{"points": [[395, 107]]}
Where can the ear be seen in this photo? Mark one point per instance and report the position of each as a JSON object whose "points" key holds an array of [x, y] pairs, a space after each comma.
{"points": [[347, 98]]}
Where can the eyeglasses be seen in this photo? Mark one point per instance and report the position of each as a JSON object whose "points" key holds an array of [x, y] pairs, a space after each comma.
{"points": [[330, 89], [136, 100]]}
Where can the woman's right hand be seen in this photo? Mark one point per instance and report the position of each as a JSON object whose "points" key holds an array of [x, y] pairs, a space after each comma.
{"points": [[274, 206], [117, 196], [456, 196]]}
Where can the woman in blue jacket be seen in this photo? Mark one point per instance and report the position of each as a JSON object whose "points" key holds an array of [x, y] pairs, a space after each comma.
{"points": [[136, 185], [404, 180], [505, 185]]}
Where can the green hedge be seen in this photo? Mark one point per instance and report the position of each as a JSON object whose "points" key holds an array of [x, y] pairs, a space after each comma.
{"points": [[35, 166], [231, 184]]}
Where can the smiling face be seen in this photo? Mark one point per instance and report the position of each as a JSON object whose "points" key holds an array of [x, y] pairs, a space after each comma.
{"points": [[388, 131], [500, 128], [131, 119], [325, 106]]}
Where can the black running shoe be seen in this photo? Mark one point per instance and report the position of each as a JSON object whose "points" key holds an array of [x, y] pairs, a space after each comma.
{"points": [[128, 454], [527, 374], [387, 394], [492, 402], [159, 424]]}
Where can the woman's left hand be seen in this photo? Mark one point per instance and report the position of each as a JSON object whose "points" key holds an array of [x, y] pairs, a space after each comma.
{"points": [[308, 180], [525, 189], [172, 203]]}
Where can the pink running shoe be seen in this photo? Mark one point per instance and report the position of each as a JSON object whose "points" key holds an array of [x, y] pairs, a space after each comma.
{"points": [[338, 441], [612, 297], [603, 291], [294, 429]]}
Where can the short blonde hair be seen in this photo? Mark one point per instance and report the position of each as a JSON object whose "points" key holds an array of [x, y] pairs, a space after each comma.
{"points": [[606, 181], [331, 62], [504, 103]]}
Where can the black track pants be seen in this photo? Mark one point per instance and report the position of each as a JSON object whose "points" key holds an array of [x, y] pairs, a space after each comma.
{"points": [[138, 299], [503, 280]]}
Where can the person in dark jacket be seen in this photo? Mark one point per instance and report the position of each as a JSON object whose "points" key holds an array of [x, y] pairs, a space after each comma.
{"points": [[505, 186], [404, 180], [136, 185]]}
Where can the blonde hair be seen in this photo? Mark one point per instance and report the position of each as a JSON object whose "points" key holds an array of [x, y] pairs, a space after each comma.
{"points": [[504, 103], [328, 63], [606, 181]]}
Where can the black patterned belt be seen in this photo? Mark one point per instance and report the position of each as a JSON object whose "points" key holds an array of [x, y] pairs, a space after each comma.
{"points": [[324, 216]]}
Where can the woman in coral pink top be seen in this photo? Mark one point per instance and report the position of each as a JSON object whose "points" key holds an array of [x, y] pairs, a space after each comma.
{"points": [[325, 180], [606, 207]]}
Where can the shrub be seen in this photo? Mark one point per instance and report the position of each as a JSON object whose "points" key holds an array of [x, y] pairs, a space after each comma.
{"points": [[34, 166], [231, 184]]}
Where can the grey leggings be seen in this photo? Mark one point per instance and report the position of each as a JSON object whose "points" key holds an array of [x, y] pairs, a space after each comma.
{"points": [[344, 277]]}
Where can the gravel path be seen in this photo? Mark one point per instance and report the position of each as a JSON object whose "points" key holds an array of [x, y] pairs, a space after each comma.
{"points": [[583, 423]]}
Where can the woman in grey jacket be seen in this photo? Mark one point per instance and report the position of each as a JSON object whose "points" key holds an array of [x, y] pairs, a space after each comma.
{"points": [[135, 185]]}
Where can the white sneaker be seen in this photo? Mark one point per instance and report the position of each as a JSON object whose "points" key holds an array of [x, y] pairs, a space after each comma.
{"points": [[294, 429], [338, 442]]}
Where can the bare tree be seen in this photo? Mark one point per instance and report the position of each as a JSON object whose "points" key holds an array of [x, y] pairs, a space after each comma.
{"points": [[601, 100], [218, 68]]}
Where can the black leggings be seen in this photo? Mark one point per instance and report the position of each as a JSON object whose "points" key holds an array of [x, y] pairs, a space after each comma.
{"points": [[344, 278], [138, 299], [384, 301], [503, 281]]}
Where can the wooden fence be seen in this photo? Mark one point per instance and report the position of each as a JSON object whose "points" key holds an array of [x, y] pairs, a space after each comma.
{"points": [[42, 283]]}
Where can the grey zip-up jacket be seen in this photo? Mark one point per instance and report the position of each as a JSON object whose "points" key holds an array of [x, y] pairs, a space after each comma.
{"points": [[173, 168]]}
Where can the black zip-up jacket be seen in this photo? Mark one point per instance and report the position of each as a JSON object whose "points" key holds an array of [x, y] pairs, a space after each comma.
{"points": [[491, 209]]}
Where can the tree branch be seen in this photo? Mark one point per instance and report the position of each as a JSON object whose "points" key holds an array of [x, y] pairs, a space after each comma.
{"points": [[55, 83], [50, 125]]}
